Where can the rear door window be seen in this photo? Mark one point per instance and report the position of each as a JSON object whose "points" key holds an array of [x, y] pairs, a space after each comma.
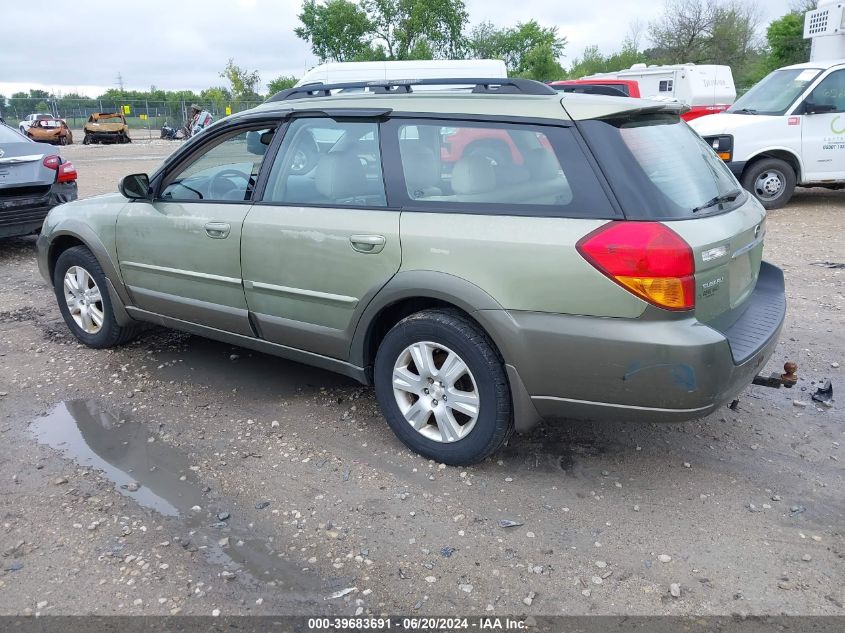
{"points": [[505, 168], [328, 163]]}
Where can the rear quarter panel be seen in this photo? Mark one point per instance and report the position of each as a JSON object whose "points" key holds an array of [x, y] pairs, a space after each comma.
{"points": [[524, 263]]}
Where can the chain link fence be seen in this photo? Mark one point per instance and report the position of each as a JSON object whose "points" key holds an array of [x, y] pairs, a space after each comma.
{"points": [[144, 117]]}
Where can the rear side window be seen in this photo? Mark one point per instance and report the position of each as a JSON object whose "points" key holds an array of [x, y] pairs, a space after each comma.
{"points": [[660, 168], [328, 163], [509, 169]]}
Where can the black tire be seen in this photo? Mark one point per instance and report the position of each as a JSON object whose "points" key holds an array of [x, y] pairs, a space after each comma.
{"points": [[110, 334], [86, 140], [778, 170], [454, 331]]}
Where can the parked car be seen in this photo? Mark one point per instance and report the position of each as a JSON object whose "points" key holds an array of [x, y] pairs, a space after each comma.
{"points": [[787, 131], [106, 127], [620, 276], [27, 122], [33, 179], [54, 131]]}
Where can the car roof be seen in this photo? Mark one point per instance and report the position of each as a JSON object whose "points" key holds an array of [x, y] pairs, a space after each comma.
{"points": [[823, 64], [461, 104]]}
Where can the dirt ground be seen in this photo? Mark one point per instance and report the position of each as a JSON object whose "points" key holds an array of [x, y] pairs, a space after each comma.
{"points": [[181, 475]]}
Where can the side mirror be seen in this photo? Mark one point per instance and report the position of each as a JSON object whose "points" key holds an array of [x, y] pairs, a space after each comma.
{"points": [[818, 108], [135, 186]]}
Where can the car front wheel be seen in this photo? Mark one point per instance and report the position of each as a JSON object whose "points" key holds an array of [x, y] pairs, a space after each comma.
{"points": [[82, 292], [442, 388], [771, 180]]}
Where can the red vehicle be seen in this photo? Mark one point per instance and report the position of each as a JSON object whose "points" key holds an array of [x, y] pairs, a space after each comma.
{"points": [[612, 87]]}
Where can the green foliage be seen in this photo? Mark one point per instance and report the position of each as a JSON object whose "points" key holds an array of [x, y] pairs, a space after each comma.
{"points": [[281, 83], [787, 45], [243, 81], [706, 32], [528, 49], [218, 95], [402, 26], [381, 30], [592, 61], [337, 30]]}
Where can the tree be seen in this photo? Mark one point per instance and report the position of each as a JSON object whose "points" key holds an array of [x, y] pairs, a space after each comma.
{"points": [[219, 96], [592, 61], [243, 82], [706, 32], [401, 25], [787, 45], [337, 30], [281, 83], [528, 49]]}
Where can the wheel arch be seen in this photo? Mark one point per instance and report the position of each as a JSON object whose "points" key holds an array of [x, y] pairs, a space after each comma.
{"points": [[412, 291], [786, 155], [76, 233]]}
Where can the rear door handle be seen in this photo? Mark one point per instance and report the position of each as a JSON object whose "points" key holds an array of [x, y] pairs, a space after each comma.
{"points": [[217, 230], [367, 243]]}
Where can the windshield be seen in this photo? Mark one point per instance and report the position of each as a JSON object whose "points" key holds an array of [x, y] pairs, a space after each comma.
{"points": [[662, 169], [8, 135], [776, 92]]}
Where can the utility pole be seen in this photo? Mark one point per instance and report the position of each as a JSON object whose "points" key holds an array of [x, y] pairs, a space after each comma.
{"points": [[120, 82]]}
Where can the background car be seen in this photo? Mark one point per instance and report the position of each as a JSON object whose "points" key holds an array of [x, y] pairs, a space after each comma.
{"points": [[106, 127], [26, 123], [33, 180], [53, 131]]}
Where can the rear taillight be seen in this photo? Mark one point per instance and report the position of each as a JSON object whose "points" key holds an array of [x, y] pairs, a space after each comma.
{"points": [[647, 259], [65, 172]]}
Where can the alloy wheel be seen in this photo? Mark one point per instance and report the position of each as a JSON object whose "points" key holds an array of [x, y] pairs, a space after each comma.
{"points": [[436, 392], [84, 299]]}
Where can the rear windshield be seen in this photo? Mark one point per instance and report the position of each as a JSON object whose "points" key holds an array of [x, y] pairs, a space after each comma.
{"points": [[8, 135], [661, 169]]}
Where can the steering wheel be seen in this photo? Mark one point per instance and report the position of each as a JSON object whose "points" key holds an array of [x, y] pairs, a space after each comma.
{"points": [[222, 176]]}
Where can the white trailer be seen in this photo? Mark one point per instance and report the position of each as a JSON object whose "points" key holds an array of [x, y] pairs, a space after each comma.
{"points": [[706, 88]]}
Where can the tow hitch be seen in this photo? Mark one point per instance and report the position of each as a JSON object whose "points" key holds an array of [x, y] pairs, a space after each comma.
{"points": [[776, 380]]}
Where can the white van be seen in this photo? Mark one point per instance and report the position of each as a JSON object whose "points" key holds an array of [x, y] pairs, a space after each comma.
{"points": [[345, 72], [787, 131], [705, 88]]}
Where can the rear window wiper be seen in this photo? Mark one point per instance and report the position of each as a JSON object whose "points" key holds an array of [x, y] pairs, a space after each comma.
{"points": [[744, 111], [727, 197]]}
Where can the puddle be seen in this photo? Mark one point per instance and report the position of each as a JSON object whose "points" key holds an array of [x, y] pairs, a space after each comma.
{"points": [[120, 448], [206, 362]]}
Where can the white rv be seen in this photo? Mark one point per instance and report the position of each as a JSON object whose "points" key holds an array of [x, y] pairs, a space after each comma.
{"points": [[789, 129], [706, 88], [345, 72]]}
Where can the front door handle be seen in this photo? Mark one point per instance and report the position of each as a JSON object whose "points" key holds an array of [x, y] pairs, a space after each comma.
{"points": [[217, 230], [367, 243]]}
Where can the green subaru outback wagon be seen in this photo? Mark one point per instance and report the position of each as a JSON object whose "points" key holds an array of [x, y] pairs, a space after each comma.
{"points": [[485, 255]]}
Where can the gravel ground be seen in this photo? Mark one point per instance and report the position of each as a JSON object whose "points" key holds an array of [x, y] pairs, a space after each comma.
{"points": [[180, 475]]}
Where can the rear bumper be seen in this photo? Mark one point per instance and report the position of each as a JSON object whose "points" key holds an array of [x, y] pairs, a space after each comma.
{"points": [[23, 214], [652, 369]]}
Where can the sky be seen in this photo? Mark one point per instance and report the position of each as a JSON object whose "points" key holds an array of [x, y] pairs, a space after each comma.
{"points": [[160, 43]]}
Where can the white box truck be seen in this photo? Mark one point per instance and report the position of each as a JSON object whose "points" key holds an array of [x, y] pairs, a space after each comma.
{"points": [[789, 129]]}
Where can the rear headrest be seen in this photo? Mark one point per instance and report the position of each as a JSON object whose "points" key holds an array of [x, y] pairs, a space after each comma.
{"points": [[542, 164], [422, 169], [340, 175], [473, 174]]}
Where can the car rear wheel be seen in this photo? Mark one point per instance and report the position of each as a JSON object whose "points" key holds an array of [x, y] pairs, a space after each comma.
{"points": [[771, 181], [82, 292], [442, 388]]}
